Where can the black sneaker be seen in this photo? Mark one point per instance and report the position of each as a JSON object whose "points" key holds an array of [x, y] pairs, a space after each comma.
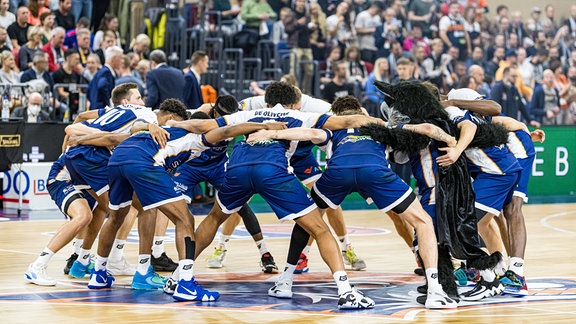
{"points": [[70, 262], [483, 289], [422, 289], [163, 263], [267, 263]]}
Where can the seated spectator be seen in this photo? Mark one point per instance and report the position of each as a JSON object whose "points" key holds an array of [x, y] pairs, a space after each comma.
{"points": [[92, 66], [66, 74], [64, 17], [83, 46], [326, 67], [18, 31], [404, 70], [381, 72], [477, 57], [108, 23], [4, 44], [228, 15], [416, 38], [33, 112], [9, 72], [6, 17], [472, 26], [37, 8], [338, 87], [142, 70], [419, 55], [355, 67], [55, 49], [39, 70], [125, 75], [140, 46], [108, 41], [71, 36], [32, 46], [477, 72], [47, 25]]}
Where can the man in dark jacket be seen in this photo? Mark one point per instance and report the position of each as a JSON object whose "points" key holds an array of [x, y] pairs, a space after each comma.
{"points": [[192, 91], [100, 88], [506, 94], [163, 81]]}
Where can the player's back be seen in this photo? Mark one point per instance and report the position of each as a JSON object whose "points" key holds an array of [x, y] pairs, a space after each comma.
{"points": [[350, 149]]}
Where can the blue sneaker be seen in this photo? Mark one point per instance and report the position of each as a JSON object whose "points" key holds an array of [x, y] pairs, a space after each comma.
{"points": [[100, 279], [150, 281], [514, 284], [190, 290], [78, 270]]}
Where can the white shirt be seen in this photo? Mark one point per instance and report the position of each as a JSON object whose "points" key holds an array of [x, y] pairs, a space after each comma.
{"points": [[309, 104]]}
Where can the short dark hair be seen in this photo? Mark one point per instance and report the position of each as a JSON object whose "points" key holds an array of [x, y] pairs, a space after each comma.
{"points": [[335, 65], [121, 92], [83, 21], [463, 83], [173, 106], [69, 52], [280, 93], [403, 61], [224, 105], [197, 57], [347, 105], [199, 115]]}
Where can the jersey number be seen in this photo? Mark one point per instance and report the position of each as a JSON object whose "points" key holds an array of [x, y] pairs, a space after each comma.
{"points": [[109, 117]]}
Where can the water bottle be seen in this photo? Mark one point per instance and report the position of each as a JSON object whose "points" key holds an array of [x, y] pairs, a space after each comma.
{"points": [[5, 108]]}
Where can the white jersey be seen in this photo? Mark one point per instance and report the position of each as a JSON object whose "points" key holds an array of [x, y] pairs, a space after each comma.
{"points": [[309, 104]]}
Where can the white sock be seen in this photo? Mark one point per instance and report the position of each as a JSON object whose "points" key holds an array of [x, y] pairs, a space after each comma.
{"points": [[186, 269], [432, 280], [84, 257], [176, 274], [100, 263], [262, 247], [342, 282], [117, 250], [306, 250], [44, 257], [288, 273], [143, 263], [488, 275], [223, 241], [158, 246], [344, 242], [517, 265], [500, 268], [77, 245]]}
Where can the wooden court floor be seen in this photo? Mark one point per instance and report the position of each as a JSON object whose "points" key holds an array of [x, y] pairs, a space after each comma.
{"points": [[388, 279]]}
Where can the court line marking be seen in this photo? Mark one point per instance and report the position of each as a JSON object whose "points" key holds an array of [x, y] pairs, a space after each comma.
{"points": [[544, 222]]}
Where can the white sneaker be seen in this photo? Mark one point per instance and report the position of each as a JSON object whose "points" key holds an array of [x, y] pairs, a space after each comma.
{"points": [[439, 300], [170, 286], [354, 299], [217, 258], [37, 275], [282, 289], [120, 267]]}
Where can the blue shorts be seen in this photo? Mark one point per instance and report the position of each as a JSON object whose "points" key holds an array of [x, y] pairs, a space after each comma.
{"points": [[381, 186], [63, 193], [89, 174], [494, 191], [152, 184], [187, 177], [306, 168], [521, 189], [280, 189]]}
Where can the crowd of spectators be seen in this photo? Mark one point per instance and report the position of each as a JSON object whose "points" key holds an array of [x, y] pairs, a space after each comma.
{"points": [[526, 63]]}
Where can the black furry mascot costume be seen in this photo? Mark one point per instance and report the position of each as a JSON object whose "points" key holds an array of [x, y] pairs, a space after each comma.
{"points": [[456, 230]]}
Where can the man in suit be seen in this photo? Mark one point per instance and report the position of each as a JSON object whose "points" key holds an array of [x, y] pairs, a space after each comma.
{"points": [[33, 113], [100, 88], [192, 92], [163, 81], [39, 70]]}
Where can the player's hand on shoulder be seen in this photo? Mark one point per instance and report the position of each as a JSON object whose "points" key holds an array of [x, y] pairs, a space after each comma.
{"points": [[73, 141], [159, 135], [275, 126], [538, 136], [261, 135]]}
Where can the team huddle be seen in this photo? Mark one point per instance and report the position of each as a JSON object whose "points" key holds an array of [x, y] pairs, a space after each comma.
{"points": [[129, 160]]}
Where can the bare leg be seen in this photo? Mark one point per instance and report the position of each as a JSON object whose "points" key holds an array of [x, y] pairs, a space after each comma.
{"points": [[208, 227], [503, 228], [405, 230], [489, 233], [81, 216], [110, 229], [516, 228]]}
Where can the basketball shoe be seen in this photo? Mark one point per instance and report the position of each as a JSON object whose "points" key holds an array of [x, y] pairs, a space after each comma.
{"points": [[100, 279], [302, 265], [78, 270], [267, 263], [514, 284], [37, 275], [439, 300], [216, 260], [190, 290], [483, 289], [170, 286], [282, 289], [150, 281], [354, 299], [350, 258], [163, 263], [120, 267], [69, 263]]}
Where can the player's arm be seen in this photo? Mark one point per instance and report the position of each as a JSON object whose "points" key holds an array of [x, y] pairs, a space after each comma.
{"points": [[352, 121], [431, 131], [314, 135], [158, 134], [100, 139], [86, 115], [467, 132], [219, 134], [196, 126], [538, 136], [510, 124], [80, 129], [482, 107]]}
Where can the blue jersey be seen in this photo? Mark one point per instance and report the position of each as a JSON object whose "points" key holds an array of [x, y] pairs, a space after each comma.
{"points": [[348, 149], [424, 169], [212, 156], [495, 159], [276, 152], [58, 171], [141, 149], [520, 144]]}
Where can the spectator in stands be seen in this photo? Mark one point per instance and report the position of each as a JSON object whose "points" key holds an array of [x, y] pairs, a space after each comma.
{"points": [[388, 33], [32, 46], [553, 55], [55, 49], [419, 55], [18, 31], [395, 54], [449, 60], [546, 101], [404, 70], [571, 22], [319, 34], [452, 32], [4, 44], [516, 25], [109, 23], [513, 42], [83, 46], [534, 23], [472, 26], [381, 72], [256, 14], [39, 70], [365, 24], [493, 65], [537, 62], [100, 88], [141, 70], [433, 65], [33, 112], [501, 12], [477, 57], [66, 74], [562, 84], [125, 75], [326, 67], [421, 13], [64, 17], [416, 39], [47, 25], [6, 17], [278, 28], [163, 81], [71, 36], [192, 92], [82, 8], [140, 46], [506, 94], [92, 66], [108, 41], [355, 67], [510, 59], [9, 72], [37, 8], [338, 87], [477, 72], [298, 28], [341, 31]]}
